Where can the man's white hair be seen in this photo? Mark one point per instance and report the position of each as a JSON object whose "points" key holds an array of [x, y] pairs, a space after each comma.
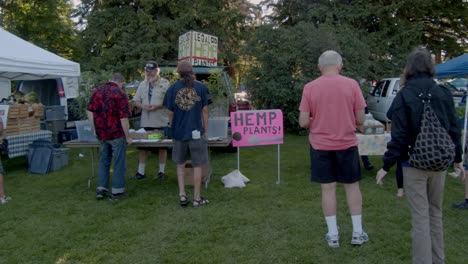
{"points": [[330, 57]]}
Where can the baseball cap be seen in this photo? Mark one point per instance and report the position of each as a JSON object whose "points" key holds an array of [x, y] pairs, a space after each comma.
{"points": [[151, 66]]}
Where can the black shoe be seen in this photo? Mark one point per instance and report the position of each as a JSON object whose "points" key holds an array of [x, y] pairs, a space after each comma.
{"points": [[139, 176], [161, 176], [368, 166], [118, 196], [101, 194], [461, 205]]}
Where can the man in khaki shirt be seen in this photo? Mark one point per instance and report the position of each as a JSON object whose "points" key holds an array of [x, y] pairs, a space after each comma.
{"points": [[149, 98]]}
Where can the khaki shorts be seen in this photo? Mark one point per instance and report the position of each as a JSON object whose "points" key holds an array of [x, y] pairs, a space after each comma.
{"points": [[198, 151]]}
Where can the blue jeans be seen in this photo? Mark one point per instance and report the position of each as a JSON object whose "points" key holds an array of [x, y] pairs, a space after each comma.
{"points": [[118, 149]]}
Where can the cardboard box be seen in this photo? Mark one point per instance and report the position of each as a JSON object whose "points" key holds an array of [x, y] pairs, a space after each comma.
{"points": [[38, 110], [18, 111], [206, 173], [199, 48]]}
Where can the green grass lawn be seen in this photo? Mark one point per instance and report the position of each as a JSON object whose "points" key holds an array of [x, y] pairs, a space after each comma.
{"points": [[55, 218]]}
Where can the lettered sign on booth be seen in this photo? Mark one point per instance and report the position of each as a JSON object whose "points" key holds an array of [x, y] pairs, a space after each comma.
{"points": [[257, 127]]}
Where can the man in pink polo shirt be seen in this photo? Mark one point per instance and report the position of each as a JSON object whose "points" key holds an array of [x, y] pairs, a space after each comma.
{"points": [[331, 108]]}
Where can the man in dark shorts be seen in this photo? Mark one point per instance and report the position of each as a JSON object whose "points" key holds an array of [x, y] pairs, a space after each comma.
{"points": [[332, 106], [149, 98], [187, 102]]}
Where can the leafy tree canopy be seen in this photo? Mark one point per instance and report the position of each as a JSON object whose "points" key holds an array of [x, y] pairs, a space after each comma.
{"points": [[374, 38], [46, 23], [123, 34]]}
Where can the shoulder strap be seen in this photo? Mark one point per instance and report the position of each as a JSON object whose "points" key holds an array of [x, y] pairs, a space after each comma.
{"points": [[425, 95]]}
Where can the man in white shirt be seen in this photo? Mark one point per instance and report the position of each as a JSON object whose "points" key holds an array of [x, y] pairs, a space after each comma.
{"points": [[149, 98]]}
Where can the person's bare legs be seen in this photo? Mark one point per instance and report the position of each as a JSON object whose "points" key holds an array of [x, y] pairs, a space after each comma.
{"points": [[329, 211], [354, 198], [2, 191], [162, 159], [466, 187], [181, 178], [328, 199], [142, 157], [197, 179], [3, 198]]}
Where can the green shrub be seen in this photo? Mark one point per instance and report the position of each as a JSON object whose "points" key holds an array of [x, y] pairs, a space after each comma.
{"points": [[460, 111]]}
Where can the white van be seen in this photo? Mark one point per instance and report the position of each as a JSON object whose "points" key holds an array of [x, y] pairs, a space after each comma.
{"points": [[52, 92]]}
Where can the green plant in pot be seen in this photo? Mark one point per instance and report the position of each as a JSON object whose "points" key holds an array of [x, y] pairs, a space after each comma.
{"points": [[218, 94]]}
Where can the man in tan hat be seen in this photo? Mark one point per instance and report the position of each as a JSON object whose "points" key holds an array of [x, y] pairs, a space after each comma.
{"points": [[149, 98], [187, 102]]}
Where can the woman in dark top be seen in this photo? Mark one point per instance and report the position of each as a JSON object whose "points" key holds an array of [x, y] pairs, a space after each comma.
{"points": [[399, 169], [424, 189]]}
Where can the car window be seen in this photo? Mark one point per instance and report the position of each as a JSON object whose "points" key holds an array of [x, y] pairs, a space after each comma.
{"points": [[385, 88], [396, 88], [381, 89]]}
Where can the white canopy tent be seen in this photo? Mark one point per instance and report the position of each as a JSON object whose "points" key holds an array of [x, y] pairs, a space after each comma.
{"points": [[21, 60]]}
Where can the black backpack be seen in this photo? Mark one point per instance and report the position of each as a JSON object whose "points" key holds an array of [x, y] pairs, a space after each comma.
{"points": [[433, 149]]}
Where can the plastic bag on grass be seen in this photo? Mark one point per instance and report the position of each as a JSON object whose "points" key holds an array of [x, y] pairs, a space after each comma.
{"points": [[234, 179]]}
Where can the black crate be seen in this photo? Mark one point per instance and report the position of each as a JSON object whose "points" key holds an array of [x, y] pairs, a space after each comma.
{"points": [[56, 112], [67, 135]]}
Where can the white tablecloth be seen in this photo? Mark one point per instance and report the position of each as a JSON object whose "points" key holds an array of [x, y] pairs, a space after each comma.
{"points": [[18, 145]]}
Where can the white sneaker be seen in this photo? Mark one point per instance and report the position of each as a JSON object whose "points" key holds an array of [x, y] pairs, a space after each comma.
{"points": [[359, 239], [333, 241], [5, 199], [400, 193]]}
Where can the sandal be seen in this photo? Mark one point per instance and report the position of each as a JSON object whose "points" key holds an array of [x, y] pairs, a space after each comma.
{"points": [[183, 201], [201, 202]]}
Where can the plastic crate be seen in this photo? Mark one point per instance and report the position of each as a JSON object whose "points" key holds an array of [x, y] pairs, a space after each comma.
{"points": [[55, 125], [218, 127], [38, 143], [85, 131], [59, 158], [67, 135], [56, 112]]}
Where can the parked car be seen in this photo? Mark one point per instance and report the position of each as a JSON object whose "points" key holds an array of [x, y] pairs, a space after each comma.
{"points": [[240, 102], [460, 83], [52, 92], [240, 105], [381, 96]]}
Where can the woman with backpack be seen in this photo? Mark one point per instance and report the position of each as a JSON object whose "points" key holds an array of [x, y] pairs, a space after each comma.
{"points": [[426, 138]]}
